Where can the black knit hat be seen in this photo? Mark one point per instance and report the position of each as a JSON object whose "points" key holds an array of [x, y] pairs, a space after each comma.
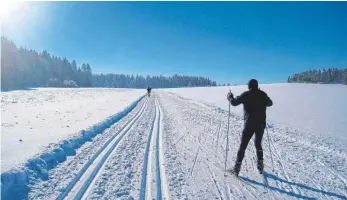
{"points": [[253, 84]]}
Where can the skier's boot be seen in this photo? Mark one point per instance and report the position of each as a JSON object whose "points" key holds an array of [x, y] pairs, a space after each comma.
{"points": [[260, 166], [236, 170]]}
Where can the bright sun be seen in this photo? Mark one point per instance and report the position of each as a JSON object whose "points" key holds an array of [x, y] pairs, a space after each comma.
{"points": [[8, 8]]}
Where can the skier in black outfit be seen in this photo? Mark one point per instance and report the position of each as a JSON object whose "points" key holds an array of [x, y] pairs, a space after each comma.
{"points": [[254, 103], [149, 91]]}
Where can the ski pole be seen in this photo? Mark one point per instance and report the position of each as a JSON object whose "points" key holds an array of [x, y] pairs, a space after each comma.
{"points": [[268, 140], [227, 145]]}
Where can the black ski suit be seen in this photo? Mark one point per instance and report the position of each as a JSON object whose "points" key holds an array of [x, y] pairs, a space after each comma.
{"points": [[149, 91], [254, 103]]}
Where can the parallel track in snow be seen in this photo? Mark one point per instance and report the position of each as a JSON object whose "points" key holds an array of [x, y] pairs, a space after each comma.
{"points": [[135, 168], [147, 163], [161, 181], [80, 184], [161, 175]]}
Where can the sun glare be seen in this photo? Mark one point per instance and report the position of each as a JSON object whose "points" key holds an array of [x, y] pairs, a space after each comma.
{"points": [[8, 8]]}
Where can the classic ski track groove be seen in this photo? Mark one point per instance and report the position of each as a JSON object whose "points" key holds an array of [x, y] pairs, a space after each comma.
{"points": [[116, 139], [97, 175], [86, 186], [149, 170], [161, 171], [146, 168], [214, 179], [154, 140]]}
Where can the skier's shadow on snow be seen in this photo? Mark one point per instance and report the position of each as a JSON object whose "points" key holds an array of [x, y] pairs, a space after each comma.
{"points": [[271, 176]]}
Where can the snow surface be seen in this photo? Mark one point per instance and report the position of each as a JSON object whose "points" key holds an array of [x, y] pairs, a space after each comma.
{"points": [[41, 117], [170, 147], [304, 165], [319, 109]]}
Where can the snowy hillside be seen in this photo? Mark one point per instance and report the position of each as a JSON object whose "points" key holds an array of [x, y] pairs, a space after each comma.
{"points": [[313, 108], [169, 147], [34, 119]]}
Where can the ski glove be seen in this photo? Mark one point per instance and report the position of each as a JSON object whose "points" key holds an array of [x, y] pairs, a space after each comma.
{"points": [[230, 96]]}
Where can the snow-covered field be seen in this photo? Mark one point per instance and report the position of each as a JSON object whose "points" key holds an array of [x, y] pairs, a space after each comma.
{"points": [[313, 108], [32, 120], [170, 147]]}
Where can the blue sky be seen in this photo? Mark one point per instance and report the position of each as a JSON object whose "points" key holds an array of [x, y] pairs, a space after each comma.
{"points": [[226, 41]]}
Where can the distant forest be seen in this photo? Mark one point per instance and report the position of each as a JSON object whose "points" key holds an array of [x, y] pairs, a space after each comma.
{"points": [[126, 81], [22, 68], [331, 75]]}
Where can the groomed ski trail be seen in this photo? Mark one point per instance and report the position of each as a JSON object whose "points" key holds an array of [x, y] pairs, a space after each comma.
{"points": [[175, 147], [83, 180], [154, 145]]}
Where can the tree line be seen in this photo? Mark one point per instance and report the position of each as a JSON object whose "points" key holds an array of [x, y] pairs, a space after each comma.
{"points": [[126, 81], [22, 68], [331, 75]]}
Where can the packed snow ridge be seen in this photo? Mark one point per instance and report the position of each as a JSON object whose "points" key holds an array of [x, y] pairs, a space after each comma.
{"points": [[33, 120], [17, 179]]}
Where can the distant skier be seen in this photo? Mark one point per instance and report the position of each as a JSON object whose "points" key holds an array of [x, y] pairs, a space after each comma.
{"points": [[149, 91], [254, 103]]}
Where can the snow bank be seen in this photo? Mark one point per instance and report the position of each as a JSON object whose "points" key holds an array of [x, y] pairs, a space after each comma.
{"points": [[15, 181], [313, 108], [33, 120]]}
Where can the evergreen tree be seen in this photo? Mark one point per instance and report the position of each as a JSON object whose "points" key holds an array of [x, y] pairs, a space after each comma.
{"points": [[138, 81], [88, 76], [331, 75], [25, 68], [21, 67]]}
